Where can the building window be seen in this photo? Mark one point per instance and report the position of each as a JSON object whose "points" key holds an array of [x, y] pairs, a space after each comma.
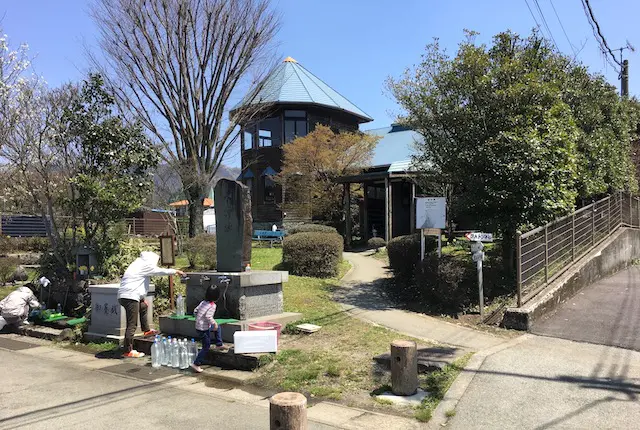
{"points": [[269, 133], [269, 195], [247, 138], [265, 138], [295, 124]]}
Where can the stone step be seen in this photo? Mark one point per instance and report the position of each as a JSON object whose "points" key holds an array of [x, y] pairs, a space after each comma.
{"points": [[43, 332]]}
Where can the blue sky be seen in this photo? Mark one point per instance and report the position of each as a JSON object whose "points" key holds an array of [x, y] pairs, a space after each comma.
{"points": [[353, 45]]}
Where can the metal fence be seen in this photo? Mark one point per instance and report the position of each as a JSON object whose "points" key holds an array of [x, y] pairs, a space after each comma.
{"points": [[35, 226], [544, 253]]}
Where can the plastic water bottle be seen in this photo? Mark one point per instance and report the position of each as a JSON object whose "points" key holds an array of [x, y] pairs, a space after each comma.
{"points": [[175, 354], [165, 352], [180, 306], [184, 355], [193, 351], [155, 354]]}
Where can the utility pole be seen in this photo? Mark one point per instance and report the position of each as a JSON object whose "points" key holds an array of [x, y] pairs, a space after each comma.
{"points": [[624, 79]]}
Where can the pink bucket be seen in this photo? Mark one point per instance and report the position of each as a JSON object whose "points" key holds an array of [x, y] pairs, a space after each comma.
{"points": [[266, 325]]}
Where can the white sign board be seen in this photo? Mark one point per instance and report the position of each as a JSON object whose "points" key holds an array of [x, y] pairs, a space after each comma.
{"points": [[476, 247], [431, 212], [479, 237], [477, 256]]}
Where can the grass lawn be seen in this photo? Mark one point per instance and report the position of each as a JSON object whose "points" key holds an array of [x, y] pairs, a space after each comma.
{"points": [[335, 362]]}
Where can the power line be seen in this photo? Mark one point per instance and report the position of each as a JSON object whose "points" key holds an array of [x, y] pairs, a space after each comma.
{"points": [[575, 54], [532, 15], [544, 21], [597, 32]]}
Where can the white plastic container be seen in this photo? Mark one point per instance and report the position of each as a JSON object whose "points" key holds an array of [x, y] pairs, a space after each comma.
{"points": [[249, 342]]}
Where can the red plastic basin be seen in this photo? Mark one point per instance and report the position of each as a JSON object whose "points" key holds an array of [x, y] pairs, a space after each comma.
{"points": [[266, 325]]}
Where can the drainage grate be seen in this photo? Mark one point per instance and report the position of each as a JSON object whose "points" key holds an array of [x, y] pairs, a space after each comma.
{"points": [[146, 373], [15, 345]]}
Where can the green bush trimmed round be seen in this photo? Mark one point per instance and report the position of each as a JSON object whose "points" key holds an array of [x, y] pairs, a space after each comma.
{"points": [[376, 242], [404, 255], [308, 228], [312, 254], [202, 251]]}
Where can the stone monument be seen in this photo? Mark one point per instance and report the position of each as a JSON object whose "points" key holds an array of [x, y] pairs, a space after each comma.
{"points": [[233, 225]]}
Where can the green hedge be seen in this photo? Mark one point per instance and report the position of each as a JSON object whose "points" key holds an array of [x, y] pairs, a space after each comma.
{"points": [[202, 251], [404, 255], [375, 243], [312, 254], [16, 245], [308, 228], [447, 283]]}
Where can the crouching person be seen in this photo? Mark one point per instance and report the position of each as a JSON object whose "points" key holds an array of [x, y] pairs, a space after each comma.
{"points": [[132, 293], [14, 309]]}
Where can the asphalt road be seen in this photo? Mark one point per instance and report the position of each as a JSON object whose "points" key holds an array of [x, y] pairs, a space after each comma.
{"points": [[605, 313], [36, 392]]}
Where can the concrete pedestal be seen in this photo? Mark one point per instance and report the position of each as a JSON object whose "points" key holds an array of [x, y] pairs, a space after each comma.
{"points": [[108, 319], [247, 295]]}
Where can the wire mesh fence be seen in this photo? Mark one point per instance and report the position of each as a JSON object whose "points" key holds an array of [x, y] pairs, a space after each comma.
{"points": [[545, 252]]}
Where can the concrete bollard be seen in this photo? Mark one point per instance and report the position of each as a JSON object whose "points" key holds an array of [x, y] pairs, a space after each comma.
{"points": [[404, 367], [288, 411]]}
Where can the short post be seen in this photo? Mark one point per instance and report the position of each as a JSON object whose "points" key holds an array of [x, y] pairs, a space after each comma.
{"points": [[422, 245], [519, 267], [288, 411], [404, 367]]}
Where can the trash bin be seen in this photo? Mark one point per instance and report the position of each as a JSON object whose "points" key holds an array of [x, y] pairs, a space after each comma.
{"points": [[266, 325]]}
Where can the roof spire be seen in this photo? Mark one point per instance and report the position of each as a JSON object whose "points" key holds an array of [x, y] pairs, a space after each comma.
{"points": [[289, 60]]}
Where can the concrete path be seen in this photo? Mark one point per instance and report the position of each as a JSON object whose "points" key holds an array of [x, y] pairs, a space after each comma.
{"points": [[364, 297], [48, 387], [542, 383], [606, 313]]}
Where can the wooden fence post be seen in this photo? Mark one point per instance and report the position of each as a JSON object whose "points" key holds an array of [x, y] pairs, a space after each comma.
{"points": [[288, 411], [404, 367], [519, 267]]}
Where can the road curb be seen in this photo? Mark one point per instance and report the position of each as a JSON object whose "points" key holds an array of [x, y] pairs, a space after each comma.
{"points": [[462, 382]]}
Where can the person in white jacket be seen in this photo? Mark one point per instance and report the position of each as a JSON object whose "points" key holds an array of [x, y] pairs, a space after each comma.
{"points": [[14, 309], [134, 287]]}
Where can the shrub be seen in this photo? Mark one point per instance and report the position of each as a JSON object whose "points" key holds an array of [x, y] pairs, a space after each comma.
{"points": [[126, 252], [447, 283], [202, 251], [14, 245], [309, 228], [404, 255], [7, 268], [312, 254], [375, 243]]}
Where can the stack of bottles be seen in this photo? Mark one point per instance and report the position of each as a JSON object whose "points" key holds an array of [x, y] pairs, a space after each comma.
{"points": [[172, 352]]}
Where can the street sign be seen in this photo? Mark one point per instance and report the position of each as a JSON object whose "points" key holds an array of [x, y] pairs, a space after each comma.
{"points": [[479, 237], [431, 212], [477, 256], [431, 231], [476, 246]]}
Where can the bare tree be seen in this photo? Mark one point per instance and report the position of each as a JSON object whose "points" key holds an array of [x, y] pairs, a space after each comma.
{"points": [[177, 65]]}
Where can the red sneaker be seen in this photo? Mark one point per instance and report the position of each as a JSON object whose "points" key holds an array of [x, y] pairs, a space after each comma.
{"points": [[133, 354], [151, 333]]}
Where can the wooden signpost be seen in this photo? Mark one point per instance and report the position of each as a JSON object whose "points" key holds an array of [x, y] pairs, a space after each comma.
{"points": [[431, 219], [168, 258]]}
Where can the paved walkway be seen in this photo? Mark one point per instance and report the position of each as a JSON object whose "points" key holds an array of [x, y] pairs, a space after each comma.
{"points": [[48, 387], [528, 382], [606, 313], [365, 298]]}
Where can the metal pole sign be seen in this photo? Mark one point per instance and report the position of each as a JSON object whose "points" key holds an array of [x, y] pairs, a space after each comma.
{"points": [[479, 237], [477, 255]]}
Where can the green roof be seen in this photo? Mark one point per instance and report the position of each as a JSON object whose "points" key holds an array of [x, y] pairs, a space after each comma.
{"points": [[291, 83]]}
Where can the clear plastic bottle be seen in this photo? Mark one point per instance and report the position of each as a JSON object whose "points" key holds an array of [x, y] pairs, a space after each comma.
{"points": [[155, 353], [166, 357], [175, 354], [193, 351], [184, 354], [180, 306]]}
